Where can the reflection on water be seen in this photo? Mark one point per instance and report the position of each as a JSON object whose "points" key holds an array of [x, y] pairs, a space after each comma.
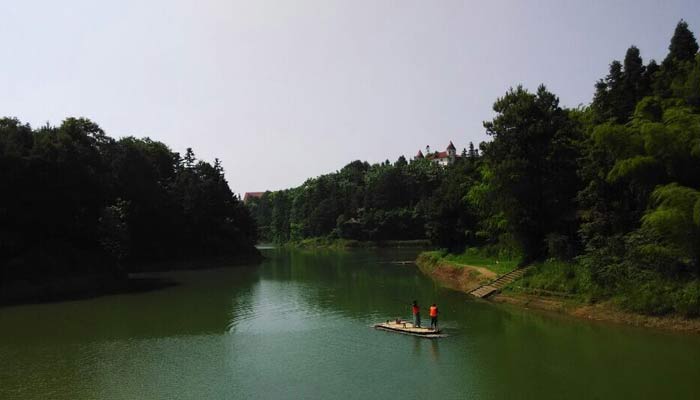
{"points": [[298, 326]]}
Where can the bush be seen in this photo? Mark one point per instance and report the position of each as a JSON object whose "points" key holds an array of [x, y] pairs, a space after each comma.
{"points": [[687, 300], [558, 276], [659, 296], [651, 298]]}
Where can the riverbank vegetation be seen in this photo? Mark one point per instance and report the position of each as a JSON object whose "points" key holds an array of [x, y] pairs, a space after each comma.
{"points": [[326, 242], [603, 199], [403, 201], [499, 262], [76, 202]]}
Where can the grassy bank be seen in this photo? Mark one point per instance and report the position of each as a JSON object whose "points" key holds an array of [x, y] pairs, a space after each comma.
{"points": [[500, 264], [644, 293], [567, 287], [455, 276]]}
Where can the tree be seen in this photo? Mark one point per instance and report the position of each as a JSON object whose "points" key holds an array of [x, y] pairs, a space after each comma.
{"points": [[189, 159], [401, 162], [608, 101], [84, 203], [683, 46], [473, 153], [532, 160], [628, 82], [451, 220]]}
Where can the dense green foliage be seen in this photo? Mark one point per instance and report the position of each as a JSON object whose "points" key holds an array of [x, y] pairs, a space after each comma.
{"points": [[400, 201], [531, 162], [605, 198], [75, 201]]}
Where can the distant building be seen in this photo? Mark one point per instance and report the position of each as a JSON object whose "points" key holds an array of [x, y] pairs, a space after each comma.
{"points": [[446, 157], [251, 195]]}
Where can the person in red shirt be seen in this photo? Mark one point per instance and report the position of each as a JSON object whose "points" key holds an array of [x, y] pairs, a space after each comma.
{"points": [[433, 317], [416, 314]]}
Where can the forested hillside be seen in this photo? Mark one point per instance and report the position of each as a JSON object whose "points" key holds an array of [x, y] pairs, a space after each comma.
{"points": [[399, 201], [610, 190], [75, 201]]}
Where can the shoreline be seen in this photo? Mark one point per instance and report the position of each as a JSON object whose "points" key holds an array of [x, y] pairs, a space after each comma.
{"points": [[465, 278], [59, 289], [320, 243], [462, 278], [599, 312]]}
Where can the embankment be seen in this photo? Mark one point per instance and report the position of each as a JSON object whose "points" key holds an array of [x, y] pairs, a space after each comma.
{"points": [[451, 275], [465, 278]]}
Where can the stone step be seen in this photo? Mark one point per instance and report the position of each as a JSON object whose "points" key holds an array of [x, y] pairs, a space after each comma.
{"points": [[498, 284], [483, 291]]}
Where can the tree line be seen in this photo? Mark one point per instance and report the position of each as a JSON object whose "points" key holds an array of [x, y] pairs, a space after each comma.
{"points": [[613, 188], [387, 201], [76, 201]]}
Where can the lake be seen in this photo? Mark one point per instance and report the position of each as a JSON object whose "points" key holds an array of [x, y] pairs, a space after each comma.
{"points": [[299, 326]]}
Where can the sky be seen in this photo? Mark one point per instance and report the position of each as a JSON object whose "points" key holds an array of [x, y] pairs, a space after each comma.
{"points": [[281, 91]]}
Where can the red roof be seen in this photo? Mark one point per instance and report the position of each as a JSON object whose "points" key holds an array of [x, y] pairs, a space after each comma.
{"points": [[438, 155], [252, 195]]}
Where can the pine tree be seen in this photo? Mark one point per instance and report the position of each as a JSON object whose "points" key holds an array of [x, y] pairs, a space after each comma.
{"points": [[608, 101], [473, 153], [683, 45], [632, 85], [189, 158], [648, 76], [633, 70], [401, 162]]}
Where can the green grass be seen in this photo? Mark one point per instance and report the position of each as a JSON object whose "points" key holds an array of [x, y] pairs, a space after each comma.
{"points": [[479, 258], [659, 296], [557, 277], [645, 293]]}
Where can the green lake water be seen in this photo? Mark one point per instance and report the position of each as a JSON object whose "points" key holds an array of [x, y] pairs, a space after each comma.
{"points": [[298, 326]]}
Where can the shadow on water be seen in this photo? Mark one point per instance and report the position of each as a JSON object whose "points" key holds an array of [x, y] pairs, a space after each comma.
{"points": [[81, 289], [154, 305], [93, 286], [299, 326]]}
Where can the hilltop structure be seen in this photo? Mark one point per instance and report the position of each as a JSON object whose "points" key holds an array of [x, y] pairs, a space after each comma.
{"points": [[251, 195], [446, 157]]}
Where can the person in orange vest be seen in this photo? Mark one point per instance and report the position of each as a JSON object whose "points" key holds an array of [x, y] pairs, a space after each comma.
{"points": [[416, 314], [433, 317]]}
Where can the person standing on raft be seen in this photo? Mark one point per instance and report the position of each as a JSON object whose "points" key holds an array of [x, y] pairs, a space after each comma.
{"points": [[433, 317], [416, 314]]}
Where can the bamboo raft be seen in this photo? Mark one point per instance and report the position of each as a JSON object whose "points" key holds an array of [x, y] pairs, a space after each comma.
{"points": [[407, 328]]}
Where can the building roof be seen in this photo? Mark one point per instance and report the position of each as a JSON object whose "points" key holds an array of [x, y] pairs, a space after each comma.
{"points": [[438, 155], [252, 195]]}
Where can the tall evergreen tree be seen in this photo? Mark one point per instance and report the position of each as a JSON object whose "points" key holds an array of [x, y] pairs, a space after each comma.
{"points": [[189, 159], [683, 45], [473, 153], [532, 160]]}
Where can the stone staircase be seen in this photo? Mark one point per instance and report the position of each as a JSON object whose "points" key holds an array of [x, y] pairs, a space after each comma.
{"points": [[495, 286]]}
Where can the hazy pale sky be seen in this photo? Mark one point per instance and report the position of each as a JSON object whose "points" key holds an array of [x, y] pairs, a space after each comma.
{"points": [[285, 90]]}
